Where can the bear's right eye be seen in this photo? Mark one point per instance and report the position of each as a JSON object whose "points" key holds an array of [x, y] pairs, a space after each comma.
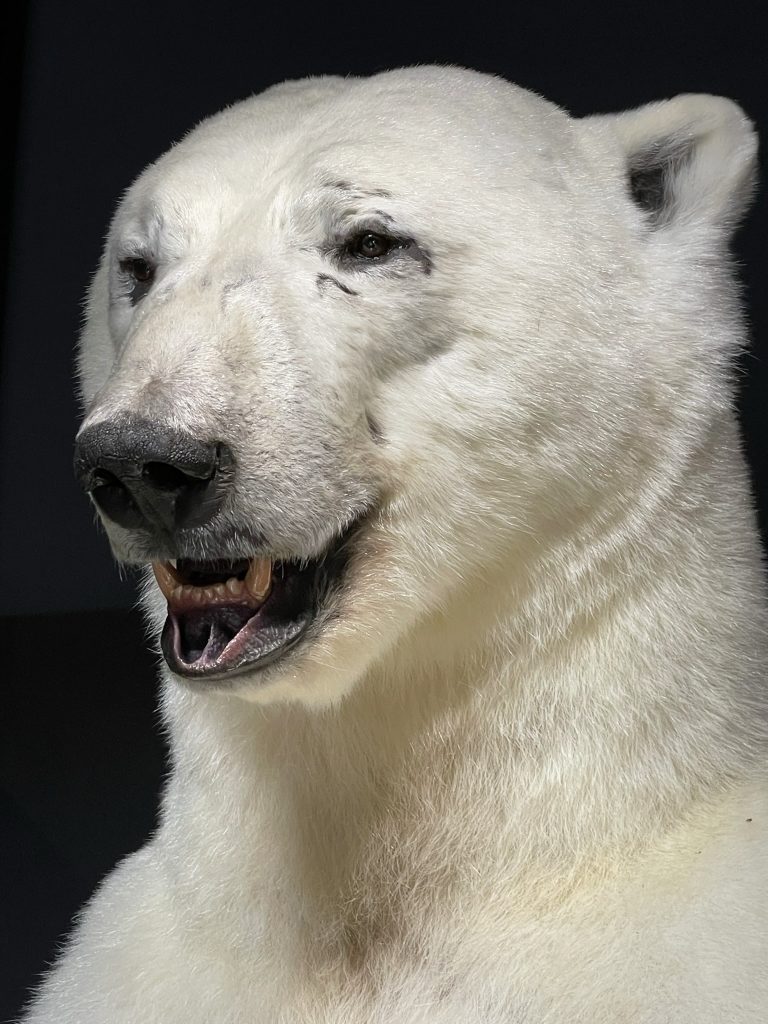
{"points": [[141, 273]]}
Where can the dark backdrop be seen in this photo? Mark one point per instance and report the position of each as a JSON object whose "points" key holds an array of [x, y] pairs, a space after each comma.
{"points": [[100, 89]]}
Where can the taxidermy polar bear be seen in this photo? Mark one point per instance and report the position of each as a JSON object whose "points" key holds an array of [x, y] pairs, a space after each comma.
{"points": [[415, 393]]}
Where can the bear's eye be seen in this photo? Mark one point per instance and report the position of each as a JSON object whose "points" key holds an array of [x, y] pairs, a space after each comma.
{"points": [[140, 273], [371, 246], [139, 269]]}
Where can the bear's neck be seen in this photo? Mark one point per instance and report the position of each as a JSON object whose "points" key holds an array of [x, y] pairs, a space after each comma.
{"points": [[603, 707]]}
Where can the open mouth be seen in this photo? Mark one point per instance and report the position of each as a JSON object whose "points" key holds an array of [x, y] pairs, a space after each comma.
{"points": [[228, 616]]}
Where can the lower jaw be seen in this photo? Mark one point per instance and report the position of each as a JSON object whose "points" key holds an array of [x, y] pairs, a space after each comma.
{"points": [[250, 650], [262, 639]]}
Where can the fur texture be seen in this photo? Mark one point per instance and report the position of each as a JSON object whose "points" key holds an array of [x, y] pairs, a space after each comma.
{"points": [[516, 773]]}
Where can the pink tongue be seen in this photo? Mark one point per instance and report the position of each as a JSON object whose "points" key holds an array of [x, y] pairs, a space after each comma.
{"points": [[200, 636]]}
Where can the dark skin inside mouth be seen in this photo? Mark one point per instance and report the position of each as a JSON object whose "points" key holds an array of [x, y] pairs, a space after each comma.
{"points": [[226, 638]]}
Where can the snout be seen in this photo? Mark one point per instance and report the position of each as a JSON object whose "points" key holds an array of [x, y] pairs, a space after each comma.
{"points": [[146, 475], [232, 607]]}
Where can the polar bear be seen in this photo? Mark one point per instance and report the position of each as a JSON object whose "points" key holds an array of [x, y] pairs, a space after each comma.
{"points": [[413, 394]]}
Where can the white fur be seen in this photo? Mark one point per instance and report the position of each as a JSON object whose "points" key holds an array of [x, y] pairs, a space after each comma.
{"points": [[519, 777]]}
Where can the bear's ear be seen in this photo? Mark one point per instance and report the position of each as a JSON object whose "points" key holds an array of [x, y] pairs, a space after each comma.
{"points": [[689, 160]]}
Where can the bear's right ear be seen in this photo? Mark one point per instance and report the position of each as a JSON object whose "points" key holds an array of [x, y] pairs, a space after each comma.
{"points": [[689, 160]]}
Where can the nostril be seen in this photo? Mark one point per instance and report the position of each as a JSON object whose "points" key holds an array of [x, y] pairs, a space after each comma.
{"points": [[103, 478], [164, 477], [114, 499], [103, 483]]}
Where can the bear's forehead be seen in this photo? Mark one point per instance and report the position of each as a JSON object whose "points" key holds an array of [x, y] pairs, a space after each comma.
{"points": [[400, 132], [418, 100]]}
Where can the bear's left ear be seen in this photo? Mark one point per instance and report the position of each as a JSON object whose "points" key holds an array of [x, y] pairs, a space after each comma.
{"points": [[689, 160]]}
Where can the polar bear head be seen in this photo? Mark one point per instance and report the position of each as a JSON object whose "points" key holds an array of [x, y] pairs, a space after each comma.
{"points": [[359, 351]]}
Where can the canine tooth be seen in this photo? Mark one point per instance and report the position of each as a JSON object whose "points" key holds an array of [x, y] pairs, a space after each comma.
{"points": [[259, 578], [167, 578]]}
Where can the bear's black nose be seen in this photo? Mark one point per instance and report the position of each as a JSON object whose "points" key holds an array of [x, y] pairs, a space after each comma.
{"points": [[147, 475]]}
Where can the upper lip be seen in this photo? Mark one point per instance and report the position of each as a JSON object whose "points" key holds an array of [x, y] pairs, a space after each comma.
{"points": [[139, 548]]}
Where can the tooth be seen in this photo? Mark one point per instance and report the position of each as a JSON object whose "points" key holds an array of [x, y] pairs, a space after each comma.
{"points": [[210, 593], [259, 578], [234, 586], [219, 590], [167, 578]]}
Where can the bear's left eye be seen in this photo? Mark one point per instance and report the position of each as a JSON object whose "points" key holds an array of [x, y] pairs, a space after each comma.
{"points": [[371, 246]]}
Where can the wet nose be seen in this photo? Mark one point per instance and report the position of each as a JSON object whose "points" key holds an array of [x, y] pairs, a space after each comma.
{"points": [[147, 475]]}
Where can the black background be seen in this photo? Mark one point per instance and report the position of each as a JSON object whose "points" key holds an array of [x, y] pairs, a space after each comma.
{"points": [[100, 89]]}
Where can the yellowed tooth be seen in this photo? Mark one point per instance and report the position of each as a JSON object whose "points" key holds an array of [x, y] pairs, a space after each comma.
{"points": [[167, 578], [234, 586], [258, 579], [219, 591]]}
